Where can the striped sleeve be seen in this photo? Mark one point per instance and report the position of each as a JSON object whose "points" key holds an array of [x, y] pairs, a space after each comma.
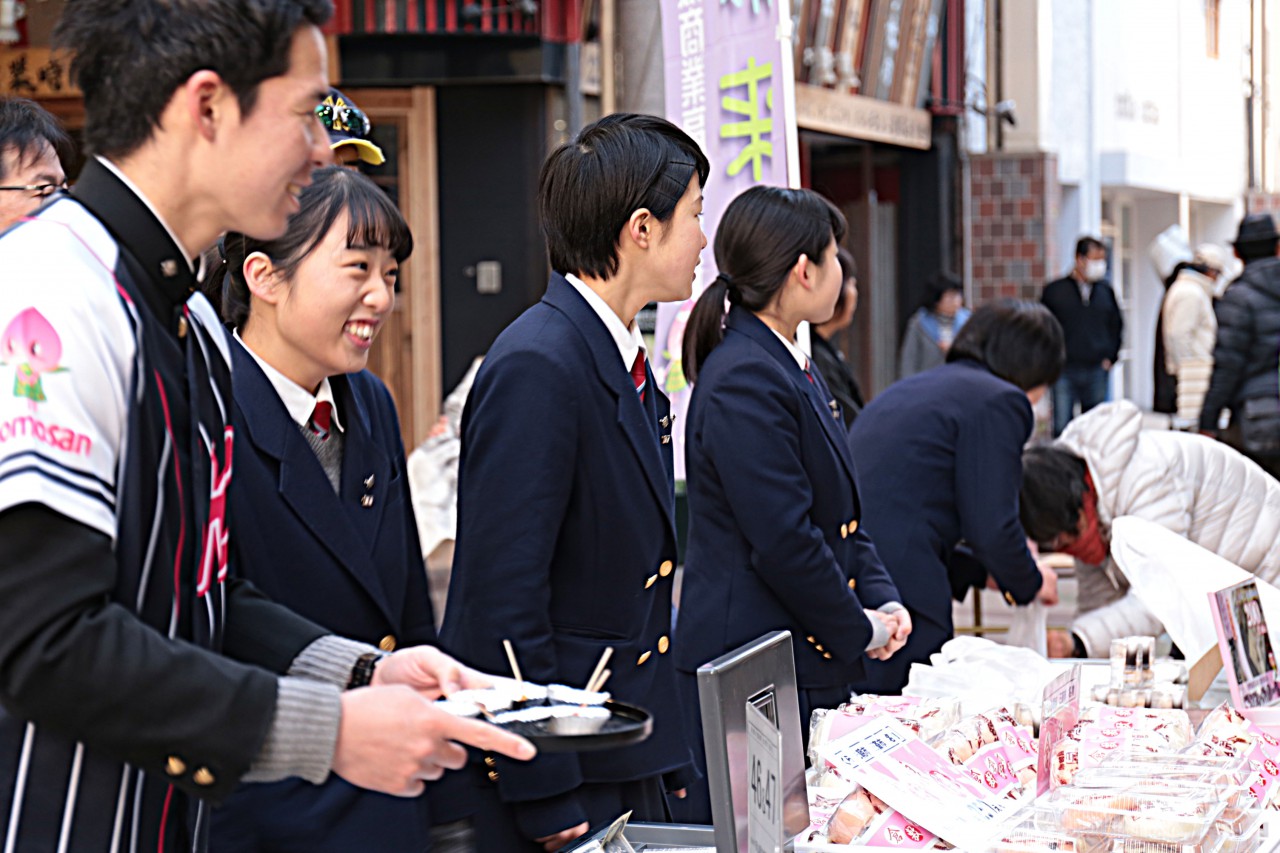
{"points": [[67, 348]]}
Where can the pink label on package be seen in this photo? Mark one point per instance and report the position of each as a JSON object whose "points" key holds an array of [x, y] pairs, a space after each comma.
{"points": [[894, 830], [1019, 745], [991, 769]]}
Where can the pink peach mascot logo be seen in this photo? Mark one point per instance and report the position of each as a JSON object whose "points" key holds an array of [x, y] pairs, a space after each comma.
{"points": [[30, 344]]}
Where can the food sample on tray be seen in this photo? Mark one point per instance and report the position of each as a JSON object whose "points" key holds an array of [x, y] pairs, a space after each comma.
{"points": [[566, 710]]}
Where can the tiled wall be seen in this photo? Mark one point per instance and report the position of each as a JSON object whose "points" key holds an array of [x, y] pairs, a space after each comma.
{"points": [[1260, 202], [1015, 201]]}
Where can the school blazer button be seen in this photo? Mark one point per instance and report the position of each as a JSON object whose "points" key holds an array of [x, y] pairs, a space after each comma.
{"points": [[827, 655], [175, 766], [1008, 596], [387, 643], [489, 762], [203, 777], [853, 527], [644, 657], [663, 644], [493, 776], [666, 567], [853, 583], [651, 581], [811, 639], [844, 531]]}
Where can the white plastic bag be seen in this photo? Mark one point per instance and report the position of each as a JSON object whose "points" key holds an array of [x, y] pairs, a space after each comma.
{"points": [[1029, 628]]}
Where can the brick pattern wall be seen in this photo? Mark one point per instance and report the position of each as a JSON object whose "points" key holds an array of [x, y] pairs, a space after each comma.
{"points": [[1260, 202], [1015, 202]]}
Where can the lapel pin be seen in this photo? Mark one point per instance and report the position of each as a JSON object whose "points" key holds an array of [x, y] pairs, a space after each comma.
{"points": [[665, 422], [366, 501], [666, 439], [169, 268], [835, 409], [368, 482]]}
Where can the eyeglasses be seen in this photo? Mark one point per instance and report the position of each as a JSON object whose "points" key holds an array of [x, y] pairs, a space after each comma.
{"points": [[344, 118], [40, 190]]}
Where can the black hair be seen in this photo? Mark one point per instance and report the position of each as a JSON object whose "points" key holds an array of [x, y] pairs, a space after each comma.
{"points": [[1085, 245], [1203, 269], [373, 220], [939, 285], [762, 234], [131, 55], [26, 127], [590, 186], [848, 270], [1052, 493], [1021, 342]]}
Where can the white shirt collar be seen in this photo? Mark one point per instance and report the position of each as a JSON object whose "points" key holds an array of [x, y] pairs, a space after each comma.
{"points": [[796, 352], [298, 401], [115, 170], [629, 340]]}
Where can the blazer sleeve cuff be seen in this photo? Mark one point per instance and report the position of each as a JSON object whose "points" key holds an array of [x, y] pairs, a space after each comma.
{"points": [[891, 607], [329, 659], [540, 818], [879, 632], [303, 733]]}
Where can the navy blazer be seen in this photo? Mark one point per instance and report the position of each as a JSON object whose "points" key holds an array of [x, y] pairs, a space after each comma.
{"points": [[939, 458], [354, 569], [566, 537], [775, 534]]}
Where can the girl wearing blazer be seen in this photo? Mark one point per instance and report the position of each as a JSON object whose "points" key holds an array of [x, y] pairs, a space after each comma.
{"points": [[775, 540], [320, 500]]}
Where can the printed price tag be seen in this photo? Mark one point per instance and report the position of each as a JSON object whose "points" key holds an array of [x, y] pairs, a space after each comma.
{"points": [[764, 783]]}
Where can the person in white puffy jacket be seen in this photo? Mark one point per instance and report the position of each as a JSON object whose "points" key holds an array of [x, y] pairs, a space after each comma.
{"points": [[1189, 329], [1105, 466]]}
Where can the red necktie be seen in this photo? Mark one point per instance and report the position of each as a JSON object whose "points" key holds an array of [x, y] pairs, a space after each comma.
{"points": [[808, 373], [321, 418], [638, 374]]}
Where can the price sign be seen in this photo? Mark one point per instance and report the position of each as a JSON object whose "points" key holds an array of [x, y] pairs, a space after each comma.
{"points": [[764, 783]]}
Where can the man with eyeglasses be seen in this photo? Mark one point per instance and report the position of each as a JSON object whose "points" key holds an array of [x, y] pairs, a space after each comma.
{"points": [[33, 147]]}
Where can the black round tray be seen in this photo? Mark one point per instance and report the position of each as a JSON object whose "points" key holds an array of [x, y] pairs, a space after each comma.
{"points": [[626, 725]]}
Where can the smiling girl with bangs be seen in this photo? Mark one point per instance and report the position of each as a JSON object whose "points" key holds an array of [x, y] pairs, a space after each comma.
{"points": [[320, 501]]}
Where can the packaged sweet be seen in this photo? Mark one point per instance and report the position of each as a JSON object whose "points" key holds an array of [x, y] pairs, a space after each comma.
{"points": [[1137, 820], [925, 717]]}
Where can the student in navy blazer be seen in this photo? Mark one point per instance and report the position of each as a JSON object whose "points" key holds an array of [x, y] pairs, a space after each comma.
{"points": [[566, 536], [939, 456], [775, 534], [321, 511]]}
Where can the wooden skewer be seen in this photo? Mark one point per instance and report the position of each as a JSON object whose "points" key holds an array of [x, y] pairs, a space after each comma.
{"points": [[599, 685], [595, 673], [511, 659]]}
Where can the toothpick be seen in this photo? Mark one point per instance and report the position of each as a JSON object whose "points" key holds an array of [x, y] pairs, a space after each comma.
{"points": [[511, 659], [599, 685], [595, 673]]}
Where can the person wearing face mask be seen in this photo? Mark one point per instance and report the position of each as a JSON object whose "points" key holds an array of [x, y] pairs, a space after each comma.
{"points": [[1106, 465], [1086, 307]]}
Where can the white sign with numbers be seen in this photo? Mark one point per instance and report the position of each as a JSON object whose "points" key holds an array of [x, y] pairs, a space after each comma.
{"points": [[764, 783]]}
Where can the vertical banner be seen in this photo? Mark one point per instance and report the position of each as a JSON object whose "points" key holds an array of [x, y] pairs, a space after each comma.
{"points": [[730, 84]]}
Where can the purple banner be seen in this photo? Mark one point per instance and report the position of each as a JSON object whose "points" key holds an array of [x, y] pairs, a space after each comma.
{"points": [[731, 86]]}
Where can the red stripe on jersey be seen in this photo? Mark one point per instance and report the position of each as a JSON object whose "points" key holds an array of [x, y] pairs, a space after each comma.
{"points": [[182, 507], [164, 818]]}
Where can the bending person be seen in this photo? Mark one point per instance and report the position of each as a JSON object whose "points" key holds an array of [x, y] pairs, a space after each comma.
{"points": [[939, 460], [1105, 466], [775, 541]]}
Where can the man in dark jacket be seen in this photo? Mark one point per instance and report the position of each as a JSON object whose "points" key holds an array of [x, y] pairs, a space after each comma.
{"points": [[1086, 307], [1246, 355]]}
